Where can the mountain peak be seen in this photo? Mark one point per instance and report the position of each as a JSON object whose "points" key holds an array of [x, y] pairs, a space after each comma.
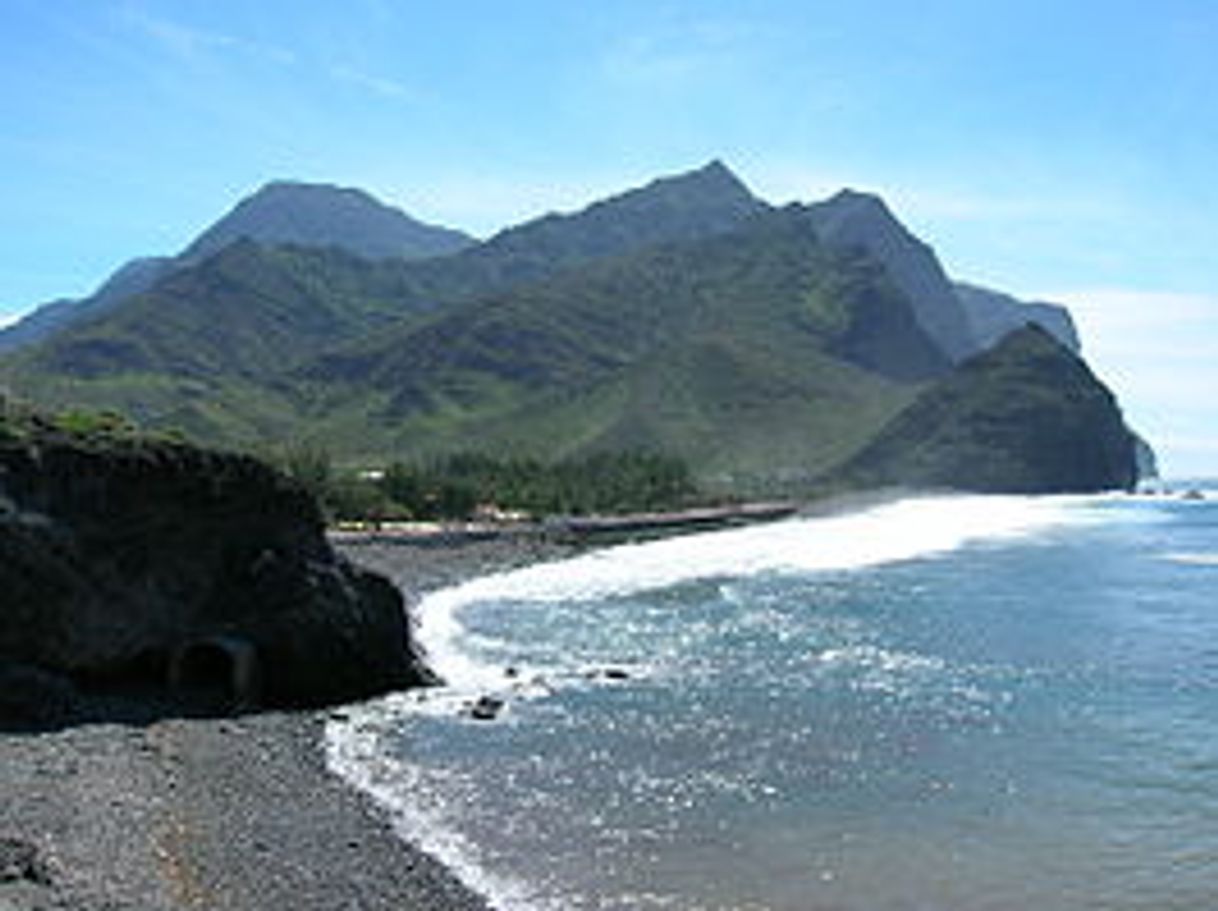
{"points": [[680, 207], [855, 220], [713, 178], [715, 170], [323, 215], [993, 314], [859, 205]]}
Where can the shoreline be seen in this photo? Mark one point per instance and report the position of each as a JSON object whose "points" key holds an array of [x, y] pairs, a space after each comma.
{"points": [[243, 812], [225, 813]]}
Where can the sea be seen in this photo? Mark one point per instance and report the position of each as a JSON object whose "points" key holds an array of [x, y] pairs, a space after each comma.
{"points": [[956, 703]]}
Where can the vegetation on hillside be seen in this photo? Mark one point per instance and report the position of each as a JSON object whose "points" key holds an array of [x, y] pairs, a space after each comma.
{"points": [[464, 485], [758, 348], [755, 356], [23, 423]]}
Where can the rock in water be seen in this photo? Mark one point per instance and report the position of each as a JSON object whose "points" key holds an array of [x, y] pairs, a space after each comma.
{"points": [[487, 708], [1027, 416], [124, 559]]}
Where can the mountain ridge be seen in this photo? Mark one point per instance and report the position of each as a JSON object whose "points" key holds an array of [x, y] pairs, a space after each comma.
{"points": [[322, 215], [279, 212], [684, 315]]}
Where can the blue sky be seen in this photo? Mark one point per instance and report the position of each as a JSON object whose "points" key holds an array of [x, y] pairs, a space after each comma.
{"points": [[1051, 149]]}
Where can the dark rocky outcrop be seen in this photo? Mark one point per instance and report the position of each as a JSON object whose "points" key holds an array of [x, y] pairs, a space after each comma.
{"points": [[125, 562], [1027, 416], [1147, 459]]}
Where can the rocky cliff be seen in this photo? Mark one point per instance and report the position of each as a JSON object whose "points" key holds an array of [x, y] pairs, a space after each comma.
{"points": [[860, 221], [992, 315], [1028, 416], [131, 562]]}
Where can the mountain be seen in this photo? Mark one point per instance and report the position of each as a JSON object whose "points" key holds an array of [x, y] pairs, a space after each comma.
{"points": [[132, 278], [321, 215], [1027, 416], [202, 349], [992, 314], [312, 215], [176, 353], [1147, 459], [766, 347], [754, 351], [699, 203], [863, 221]]}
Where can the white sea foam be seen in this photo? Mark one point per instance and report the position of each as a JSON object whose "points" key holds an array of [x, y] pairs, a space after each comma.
{"points": [[354, 750], [1194, 559], [898, 531], [894, 532]]}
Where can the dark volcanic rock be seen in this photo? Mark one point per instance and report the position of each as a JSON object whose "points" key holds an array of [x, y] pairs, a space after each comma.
{"points": [[21, 860], [33, 696], [1148, 461], [140, 562], [1027, 416], [487, 708]]}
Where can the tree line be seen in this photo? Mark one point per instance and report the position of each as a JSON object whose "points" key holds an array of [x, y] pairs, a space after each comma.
{"points": [[457, 486]]}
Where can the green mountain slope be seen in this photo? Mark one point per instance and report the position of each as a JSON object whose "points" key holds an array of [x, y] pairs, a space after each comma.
{"points": [[280, 213], [201, 350], [757, 351], [1028, 416], [766, 347], [202, 346]]}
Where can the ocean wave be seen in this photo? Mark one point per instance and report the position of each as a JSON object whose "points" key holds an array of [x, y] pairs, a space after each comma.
{"points": [[356, 751], [1201, 558], [898, 531]]}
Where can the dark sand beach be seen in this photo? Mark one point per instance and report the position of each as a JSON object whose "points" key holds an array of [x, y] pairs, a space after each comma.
{"points": [[232, 813]]}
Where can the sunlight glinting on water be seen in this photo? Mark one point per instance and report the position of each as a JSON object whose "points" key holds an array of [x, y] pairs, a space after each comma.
{"points": [[901, 530]]}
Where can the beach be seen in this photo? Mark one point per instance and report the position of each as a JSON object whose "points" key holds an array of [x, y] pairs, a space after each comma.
{"points": [[233, 813]]}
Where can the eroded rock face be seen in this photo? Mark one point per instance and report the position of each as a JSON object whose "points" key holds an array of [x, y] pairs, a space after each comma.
{"points": [[117, 556]]}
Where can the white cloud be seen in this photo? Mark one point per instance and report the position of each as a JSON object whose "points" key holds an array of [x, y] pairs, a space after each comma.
{"points": [[378, 85], [190, 42], [7, 319]]}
